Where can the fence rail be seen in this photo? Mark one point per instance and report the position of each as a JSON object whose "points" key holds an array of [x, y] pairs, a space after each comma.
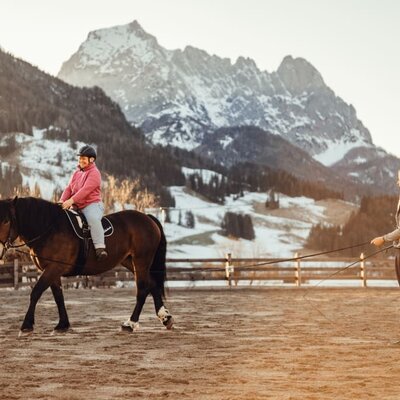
{"points": [[232, 271]]}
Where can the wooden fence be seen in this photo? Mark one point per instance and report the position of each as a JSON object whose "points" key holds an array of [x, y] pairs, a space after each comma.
{"points": [[228, 271]]}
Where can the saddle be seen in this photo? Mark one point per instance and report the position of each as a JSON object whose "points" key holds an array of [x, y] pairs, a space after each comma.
{"points": [[82, 231], [81, 227]]}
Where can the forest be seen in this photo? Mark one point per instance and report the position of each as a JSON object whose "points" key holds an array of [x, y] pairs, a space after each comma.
{"points": [[375, 217]]}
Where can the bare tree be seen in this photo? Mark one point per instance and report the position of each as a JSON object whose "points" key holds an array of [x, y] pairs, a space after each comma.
{"points": [[127, 192]]}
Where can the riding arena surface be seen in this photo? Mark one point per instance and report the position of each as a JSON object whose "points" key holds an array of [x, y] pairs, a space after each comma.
{"points": [[270, 343]]}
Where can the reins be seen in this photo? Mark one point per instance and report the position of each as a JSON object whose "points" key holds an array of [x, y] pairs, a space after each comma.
{"points": [[338, 271], [281, 260], [305, 256]]}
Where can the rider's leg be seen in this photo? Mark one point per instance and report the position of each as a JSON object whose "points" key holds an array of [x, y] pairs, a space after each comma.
{"points": [[93, 213]]}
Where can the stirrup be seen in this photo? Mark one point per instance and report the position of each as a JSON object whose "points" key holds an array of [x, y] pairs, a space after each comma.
{"points": [[101, 254]]}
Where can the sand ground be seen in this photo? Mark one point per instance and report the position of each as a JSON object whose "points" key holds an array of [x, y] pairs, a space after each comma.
{"points": [[227, 344]]}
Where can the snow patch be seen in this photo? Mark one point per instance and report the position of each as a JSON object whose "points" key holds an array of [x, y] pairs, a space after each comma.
{"points": [[49, 163], [276, 236], [336, 150], [205, 174]]}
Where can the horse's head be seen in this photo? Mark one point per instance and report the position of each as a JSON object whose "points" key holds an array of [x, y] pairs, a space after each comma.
{"points": [[8, 224]]}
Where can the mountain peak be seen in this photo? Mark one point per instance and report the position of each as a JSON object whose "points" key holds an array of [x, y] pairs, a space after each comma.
{"points": [[135, 26], [195, 52], [181, 96], [298, 75], [247, 63], [109, 48], [121, 35]]}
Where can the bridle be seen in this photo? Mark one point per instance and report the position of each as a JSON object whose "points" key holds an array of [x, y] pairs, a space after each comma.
{"points": [[13, 234]]}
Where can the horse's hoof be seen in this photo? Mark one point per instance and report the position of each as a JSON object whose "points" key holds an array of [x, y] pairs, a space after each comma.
{"points": [[126, 329], [60, 331], [165, 317], [25, 332], [129, 326], [169, 322]]}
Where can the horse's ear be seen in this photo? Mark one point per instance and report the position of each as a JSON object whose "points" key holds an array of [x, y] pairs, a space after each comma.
{"points": [[14, 201]]}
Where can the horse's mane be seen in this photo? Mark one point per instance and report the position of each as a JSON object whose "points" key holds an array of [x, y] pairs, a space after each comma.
{"points": [[35, 215]]}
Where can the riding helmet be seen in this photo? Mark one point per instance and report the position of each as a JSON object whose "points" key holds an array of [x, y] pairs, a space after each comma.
{"points": [[87, 151]]}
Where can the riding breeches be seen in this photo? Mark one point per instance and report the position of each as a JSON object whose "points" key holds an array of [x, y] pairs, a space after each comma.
{"points": [[93, 213]]}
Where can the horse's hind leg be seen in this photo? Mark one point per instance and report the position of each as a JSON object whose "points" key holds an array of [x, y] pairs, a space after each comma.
{"points": [[140, 268], [162, 313], [63, 325]]}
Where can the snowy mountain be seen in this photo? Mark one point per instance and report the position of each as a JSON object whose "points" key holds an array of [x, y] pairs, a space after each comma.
{"points": [[235, 145], [181, 97], [372, 166]]}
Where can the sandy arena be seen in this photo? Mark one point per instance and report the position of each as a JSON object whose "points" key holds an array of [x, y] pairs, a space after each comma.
{"points": [[227, 344]]}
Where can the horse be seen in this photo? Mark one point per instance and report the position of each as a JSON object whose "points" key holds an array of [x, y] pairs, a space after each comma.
{"points": [[138, 243]]}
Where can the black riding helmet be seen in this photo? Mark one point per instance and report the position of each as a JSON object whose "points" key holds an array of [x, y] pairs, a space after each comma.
{"points": [[87, 151]]}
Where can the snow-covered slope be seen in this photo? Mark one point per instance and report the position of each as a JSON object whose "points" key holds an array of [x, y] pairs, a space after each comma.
{"points": [[279, 233], [372, 166], [47, 163]]}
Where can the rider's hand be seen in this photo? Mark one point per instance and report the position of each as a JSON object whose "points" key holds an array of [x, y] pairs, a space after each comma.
{"points": [[67, 203], [378, 241]]}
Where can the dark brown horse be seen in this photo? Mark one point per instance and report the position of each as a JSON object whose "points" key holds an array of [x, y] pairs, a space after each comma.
{"points": [[138, 243]]}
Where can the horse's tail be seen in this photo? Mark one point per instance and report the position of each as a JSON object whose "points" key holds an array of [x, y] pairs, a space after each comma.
{"points": [[158, 269]]}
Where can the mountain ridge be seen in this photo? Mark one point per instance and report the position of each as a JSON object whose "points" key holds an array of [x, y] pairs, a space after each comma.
{"points": [[157, 88], [182, 97]]}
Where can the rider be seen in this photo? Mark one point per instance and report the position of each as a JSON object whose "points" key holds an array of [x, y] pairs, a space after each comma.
{"points": [[83, 192], [395, 235]]}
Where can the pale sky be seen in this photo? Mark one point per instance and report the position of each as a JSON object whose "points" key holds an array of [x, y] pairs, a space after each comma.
{"points": [[354, 44]]}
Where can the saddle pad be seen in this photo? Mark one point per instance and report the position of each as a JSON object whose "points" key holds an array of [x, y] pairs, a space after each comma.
{"points": [[78, 221]]}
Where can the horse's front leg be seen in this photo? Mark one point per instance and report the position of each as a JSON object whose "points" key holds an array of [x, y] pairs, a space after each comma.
{"points": [[46, 279], [63, 324]]}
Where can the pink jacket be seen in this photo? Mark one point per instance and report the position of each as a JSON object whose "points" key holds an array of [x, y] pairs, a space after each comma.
{"points": [[84, 187]]}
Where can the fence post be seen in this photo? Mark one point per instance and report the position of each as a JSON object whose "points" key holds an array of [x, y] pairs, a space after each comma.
{"points": [[363, 272], [297, 269], [163, 217], [16, 273], [228, 267]]}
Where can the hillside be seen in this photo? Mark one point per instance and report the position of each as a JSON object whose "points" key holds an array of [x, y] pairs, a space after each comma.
{"points": [[279, 233], [33, 101]]}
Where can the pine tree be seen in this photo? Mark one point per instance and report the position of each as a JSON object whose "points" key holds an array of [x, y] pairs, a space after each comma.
{"points": [[189, 219]]}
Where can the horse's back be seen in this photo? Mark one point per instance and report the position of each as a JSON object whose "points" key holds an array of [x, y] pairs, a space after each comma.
{"points": [[135, 224], [128, 217]]}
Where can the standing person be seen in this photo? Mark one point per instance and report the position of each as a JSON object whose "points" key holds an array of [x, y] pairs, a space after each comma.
{"points": [[395, 235], [83, 191]]}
